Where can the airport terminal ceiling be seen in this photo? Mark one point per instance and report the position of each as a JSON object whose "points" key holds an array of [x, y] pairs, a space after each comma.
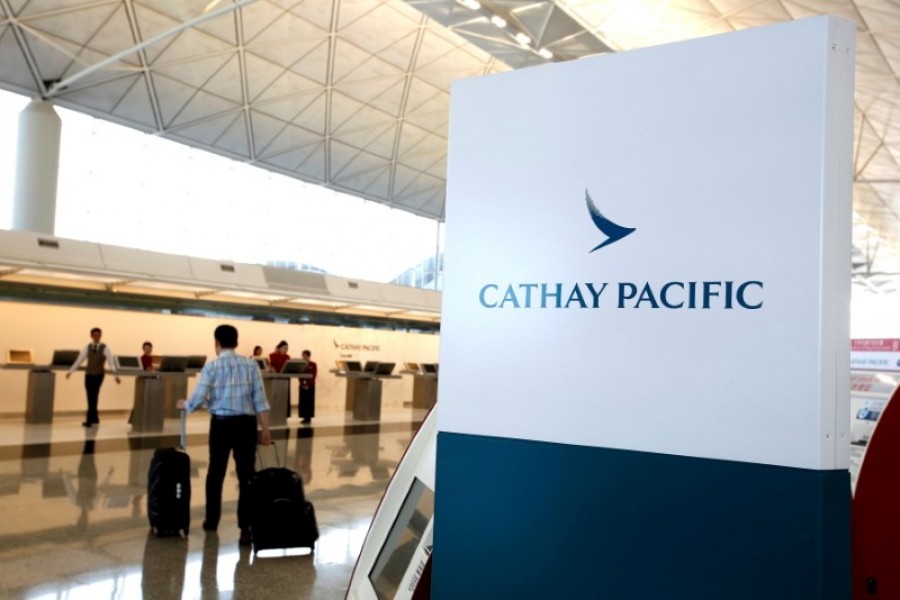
{"points": [[354, 94]]}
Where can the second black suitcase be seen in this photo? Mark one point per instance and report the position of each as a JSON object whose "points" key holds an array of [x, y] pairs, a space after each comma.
{"points": [[281, 516], [169, 489]]}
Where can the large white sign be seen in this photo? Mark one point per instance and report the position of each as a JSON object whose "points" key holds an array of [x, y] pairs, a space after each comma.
{"points": [[632, 282]]}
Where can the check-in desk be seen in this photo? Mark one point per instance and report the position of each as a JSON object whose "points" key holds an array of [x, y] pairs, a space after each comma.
{"points": [[174, 388], [424, 389], [278, 392], [39, 395], [363, 398], [155, 395], [148, 401]]}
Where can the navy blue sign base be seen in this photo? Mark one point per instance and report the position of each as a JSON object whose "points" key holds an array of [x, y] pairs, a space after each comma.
{"points": [[519, 519]]}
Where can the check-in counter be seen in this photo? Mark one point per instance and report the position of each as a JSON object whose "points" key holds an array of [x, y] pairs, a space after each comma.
{"points": [[174, 388], [278, 393], [148, 402], [363, 397], [155, 395], [424, 389], [39, 395]]}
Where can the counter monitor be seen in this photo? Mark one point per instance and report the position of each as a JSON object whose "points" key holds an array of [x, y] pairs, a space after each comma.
{"points": [[384, 368], [173, 364], [370, 366], [430, 367], [127, 363], [196, 361], [294, 366], [64, 358], [354, 366]]}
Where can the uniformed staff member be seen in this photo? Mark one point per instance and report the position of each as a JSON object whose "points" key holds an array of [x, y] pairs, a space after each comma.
{"points": [[97, 355]]}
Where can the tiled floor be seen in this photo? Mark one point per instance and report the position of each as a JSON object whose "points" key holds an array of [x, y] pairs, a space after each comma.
{"points": [[73, 521]]}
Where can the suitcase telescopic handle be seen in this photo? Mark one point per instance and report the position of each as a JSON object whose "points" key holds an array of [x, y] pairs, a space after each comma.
{"points": [[274, 447], [183, 429]]}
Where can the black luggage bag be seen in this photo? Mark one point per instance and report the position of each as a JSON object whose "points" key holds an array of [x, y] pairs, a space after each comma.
{"points": [[281, 515], [169, 489]]}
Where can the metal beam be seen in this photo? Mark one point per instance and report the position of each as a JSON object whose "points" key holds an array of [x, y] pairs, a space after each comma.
{"points": [[59, 86]]}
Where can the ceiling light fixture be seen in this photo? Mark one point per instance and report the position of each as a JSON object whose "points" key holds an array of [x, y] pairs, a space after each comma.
{"points": [[471, 4], [523, 39], [498, 21], [545, 53]]}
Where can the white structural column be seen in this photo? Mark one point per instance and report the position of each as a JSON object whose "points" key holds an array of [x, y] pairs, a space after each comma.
{"points": [[37, 168]]}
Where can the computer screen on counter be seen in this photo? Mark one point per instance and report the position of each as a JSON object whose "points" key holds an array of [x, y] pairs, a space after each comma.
{"points": [[294, 366], [64, 358], [173, 364], [385, 368], [127, 363], [196, 361]]}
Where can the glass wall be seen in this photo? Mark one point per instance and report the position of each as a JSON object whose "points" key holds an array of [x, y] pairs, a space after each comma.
{"points": [[123, 187]]}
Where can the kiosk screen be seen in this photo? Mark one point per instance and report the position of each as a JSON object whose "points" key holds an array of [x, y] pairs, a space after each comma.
{"points": [[402, 540]]}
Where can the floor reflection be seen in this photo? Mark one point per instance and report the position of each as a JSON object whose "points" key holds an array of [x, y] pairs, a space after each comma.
{"points": [[75, 523]]}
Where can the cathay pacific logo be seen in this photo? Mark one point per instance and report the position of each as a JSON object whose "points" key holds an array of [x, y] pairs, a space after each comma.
{"points": [[718, 293], [613, 231]]}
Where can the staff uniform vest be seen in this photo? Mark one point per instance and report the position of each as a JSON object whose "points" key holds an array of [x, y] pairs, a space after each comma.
{"points": [[96, 359]]}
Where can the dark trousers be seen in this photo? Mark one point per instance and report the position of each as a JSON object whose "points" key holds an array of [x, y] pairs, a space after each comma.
{"points": [[238, 435], [92, 385], [307, 407]]}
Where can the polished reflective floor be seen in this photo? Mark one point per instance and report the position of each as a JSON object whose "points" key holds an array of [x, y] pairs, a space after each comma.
{"points": [[73, 520]]}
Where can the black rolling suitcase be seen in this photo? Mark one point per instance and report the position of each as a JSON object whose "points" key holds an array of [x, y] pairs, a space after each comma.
{"points": [[281, 515], [169, 489]]}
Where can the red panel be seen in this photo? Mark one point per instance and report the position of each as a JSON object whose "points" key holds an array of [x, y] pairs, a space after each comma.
{"points": [[876, 512]]}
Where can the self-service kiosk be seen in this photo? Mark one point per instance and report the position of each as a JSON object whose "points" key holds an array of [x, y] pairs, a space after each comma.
{"points": [[395, 560]]}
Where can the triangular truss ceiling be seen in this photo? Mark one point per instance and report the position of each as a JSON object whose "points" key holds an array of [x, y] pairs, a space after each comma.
{"points": [[354, 94]]}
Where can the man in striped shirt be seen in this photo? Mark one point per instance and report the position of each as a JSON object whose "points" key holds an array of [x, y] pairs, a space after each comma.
{"points": [[231, 388]]}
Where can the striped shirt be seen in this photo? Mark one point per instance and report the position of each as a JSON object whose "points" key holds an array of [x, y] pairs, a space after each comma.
{"points": [[230, 385]]}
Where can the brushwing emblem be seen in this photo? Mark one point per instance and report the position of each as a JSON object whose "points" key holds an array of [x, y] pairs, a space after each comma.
{"points": [[613, 231]]}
